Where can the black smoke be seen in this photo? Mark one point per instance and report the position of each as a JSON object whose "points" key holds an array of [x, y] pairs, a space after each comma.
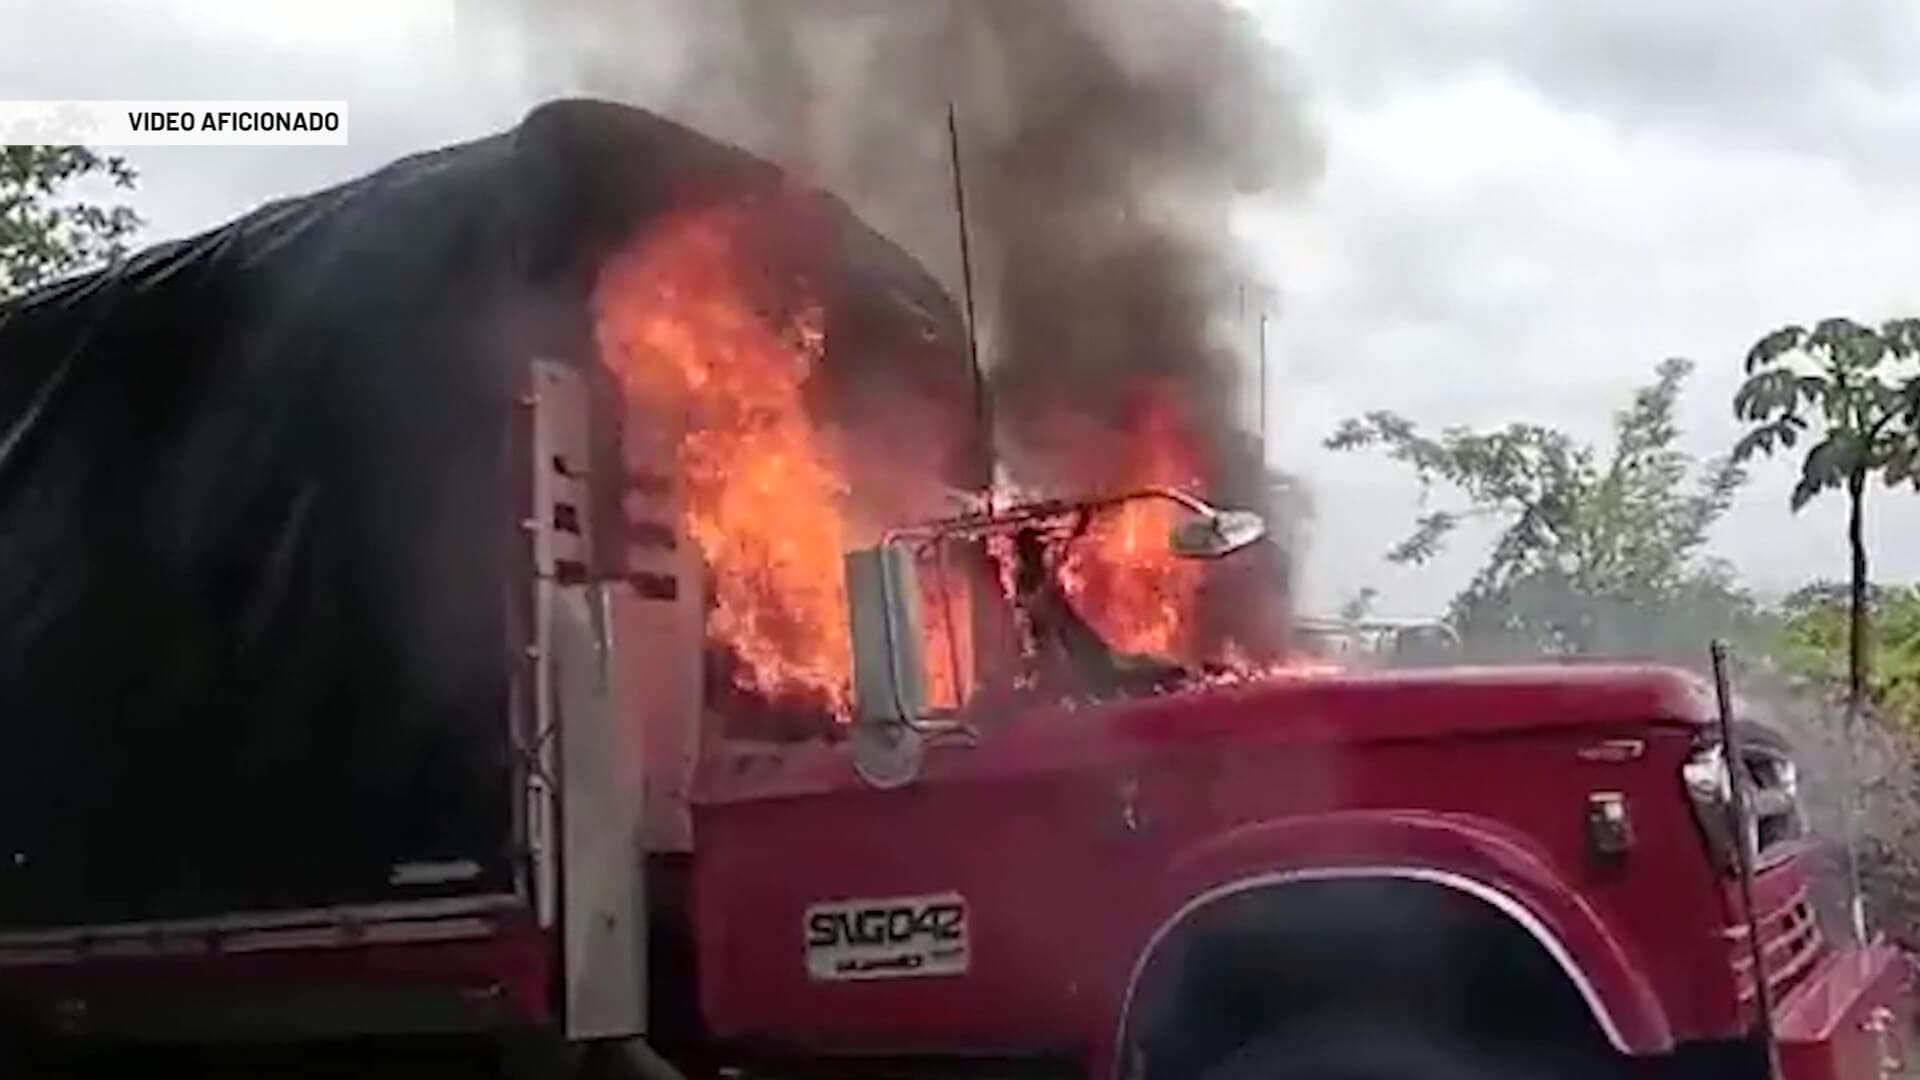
{"points": [[1105, 144]]}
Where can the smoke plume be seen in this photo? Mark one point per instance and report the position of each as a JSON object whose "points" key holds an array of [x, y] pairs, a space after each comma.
{"points": [[1109, 144], [1104, 144]]}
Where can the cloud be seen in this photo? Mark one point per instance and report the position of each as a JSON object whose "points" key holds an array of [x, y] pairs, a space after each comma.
{"points": [[409, 82], [1526, 205], [1513, 228], [1726, 69]]}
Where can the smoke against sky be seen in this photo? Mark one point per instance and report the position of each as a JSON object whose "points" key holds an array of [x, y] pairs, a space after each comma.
{"points": [[1105, 147], [1523, 206]]}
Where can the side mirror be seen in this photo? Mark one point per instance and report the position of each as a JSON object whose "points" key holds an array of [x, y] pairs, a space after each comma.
{"points": [[1211, 536], [889, 673]]}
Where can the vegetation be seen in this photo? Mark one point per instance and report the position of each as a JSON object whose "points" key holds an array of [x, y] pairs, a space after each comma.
{"points": [[1602, 551], [1813, 645], [47, 228], [1851, 387], [1598, 552]]}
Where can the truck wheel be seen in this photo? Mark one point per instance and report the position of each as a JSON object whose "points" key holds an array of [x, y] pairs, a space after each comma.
{"points": [[1385, 1052], [538, 1055]]}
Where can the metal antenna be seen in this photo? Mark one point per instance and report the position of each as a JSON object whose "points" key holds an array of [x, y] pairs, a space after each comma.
{"points": [[985, 627], [1738, 811], [982, 404]]}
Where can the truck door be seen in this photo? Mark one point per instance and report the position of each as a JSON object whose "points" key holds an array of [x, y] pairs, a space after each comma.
{"points": [[939, 892]]}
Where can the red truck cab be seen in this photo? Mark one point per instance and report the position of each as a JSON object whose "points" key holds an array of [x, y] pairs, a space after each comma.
{"points": [[332, 716], [1449, 872], [1444, 873]]}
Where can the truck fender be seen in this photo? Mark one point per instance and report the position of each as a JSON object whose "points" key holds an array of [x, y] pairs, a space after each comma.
{"points": [[1480, 858]]}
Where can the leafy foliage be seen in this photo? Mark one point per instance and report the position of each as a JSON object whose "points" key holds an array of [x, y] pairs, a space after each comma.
{"points": [[45, 231], [1599, 552], [1840, 380], [1854, 388], [1812, 645], [1860, 778]]}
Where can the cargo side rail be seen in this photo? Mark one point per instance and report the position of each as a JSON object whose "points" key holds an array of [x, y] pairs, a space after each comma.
{"points": [[397, 922]]}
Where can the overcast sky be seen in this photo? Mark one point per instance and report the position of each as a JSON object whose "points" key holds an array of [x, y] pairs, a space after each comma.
{"points": [[1525, 205]]}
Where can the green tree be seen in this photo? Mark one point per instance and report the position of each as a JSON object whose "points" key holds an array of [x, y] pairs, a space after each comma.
{"points": [[1851, 386], [47, 228], [1597, 552], [1814, 644]]}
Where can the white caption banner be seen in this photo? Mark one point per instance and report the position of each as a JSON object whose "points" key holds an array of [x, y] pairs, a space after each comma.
{"points": [[173, 123]]}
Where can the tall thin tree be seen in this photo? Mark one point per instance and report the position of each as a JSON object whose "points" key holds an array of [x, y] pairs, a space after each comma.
{"points": [[1853, 388]]}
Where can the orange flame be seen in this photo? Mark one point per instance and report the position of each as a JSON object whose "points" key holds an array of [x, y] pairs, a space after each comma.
{"points": [[721, 360], [1122, 576], [946, 607], [763, 490]]}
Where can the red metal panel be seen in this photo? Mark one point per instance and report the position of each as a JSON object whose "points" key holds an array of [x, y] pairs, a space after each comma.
{"points": [[1490, 860], [1075, 833], [1849, 1021], [507, 975]]}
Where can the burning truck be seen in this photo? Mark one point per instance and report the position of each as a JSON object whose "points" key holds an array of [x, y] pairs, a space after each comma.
{"points": [[547, 591]]}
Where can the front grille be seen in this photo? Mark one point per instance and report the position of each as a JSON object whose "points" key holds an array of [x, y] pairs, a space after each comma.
{"points": [[1790, 945]]}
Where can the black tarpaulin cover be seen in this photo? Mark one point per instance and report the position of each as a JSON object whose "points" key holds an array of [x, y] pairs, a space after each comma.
{"points": [[260, 589]]}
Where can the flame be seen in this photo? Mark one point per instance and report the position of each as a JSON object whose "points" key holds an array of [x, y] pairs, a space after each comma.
{"points": [[763, 492], [721, 360], [946, 606], [1122, 576], [1236, 668]]}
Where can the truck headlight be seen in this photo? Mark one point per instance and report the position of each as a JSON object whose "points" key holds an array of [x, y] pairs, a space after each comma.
{"points": [[1709, 787], [1708, 780], [1787, 776]]}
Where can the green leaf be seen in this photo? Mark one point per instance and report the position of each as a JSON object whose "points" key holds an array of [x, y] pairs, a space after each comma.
{"points": [[1356, 433], [45, 230], [1767, 438], [1902, 337], [1429, 532], [1803, 493], [1899, 465], [1775, 345], [1826, 465], [1842, 340]]}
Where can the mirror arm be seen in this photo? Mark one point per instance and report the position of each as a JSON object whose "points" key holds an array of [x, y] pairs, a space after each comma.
{"points": [[966, 524], [1190, 502]]}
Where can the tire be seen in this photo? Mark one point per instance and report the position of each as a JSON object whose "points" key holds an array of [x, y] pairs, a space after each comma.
{"points": [[538, 1055], [1373, 1052], [544, 1056]]}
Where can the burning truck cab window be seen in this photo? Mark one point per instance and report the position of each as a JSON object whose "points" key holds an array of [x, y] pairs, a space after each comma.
{"points": [[1000, 622], [1004, 611], [739, 355], [998, 619]]}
